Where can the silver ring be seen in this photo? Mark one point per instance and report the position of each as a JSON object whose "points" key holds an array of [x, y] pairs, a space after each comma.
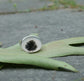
{"points": [[31, 44]]}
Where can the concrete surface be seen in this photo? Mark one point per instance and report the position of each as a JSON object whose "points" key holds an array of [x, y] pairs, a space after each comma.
{"points": [[51, 26], [8, 5], [21, 5], [80, 2]]}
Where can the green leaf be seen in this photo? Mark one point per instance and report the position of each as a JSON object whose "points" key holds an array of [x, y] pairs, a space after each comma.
{"points": [[15, 54], [34, 60], [1, 65]]}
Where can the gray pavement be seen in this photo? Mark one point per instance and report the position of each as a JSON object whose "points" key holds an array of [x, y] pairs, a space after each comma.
{"points": [[80, 2], [21, 5], [51, 26]]}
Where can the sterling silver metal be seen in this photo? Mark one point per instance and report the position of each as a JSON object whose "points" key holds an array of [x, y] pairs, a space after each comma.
{"points": [[31, 44]]}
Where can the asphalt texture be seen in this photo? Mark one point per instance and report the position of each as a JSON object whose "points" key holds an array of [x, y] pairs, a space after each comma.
{"points": [[51, 26], [22, 5], [81, 2], [26, 5]]}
